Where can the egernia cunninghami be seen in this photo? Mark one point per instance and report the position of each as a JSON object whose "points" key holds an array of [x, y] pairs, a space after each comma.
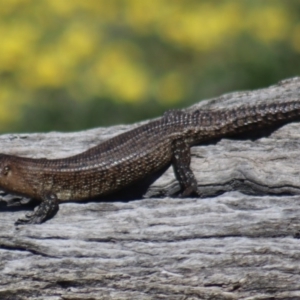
{"points": [[129, 157]]}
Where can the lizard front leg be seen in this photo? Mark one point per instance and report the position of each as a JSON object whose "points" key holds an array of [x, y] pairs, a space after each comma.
{"points": [[181, 163], [46, 210]]}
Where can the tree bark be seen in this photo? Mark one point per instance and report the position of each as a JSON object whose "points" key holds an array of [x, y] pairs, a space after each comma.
{"points": [[240, 241]]}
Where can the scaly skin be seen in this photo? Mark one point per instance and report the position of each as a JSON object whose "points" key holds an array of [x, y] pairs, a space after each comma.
{"points": [[131, 156]]}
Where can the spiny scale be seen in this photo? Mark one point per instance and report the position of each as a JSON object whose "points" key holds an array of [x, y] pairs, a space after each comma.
{"points": [[132, 155]]}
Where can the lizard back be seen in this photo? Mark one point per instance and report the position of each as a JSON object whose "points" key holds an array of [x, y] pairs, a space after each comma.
{"points": [[130, 156]]}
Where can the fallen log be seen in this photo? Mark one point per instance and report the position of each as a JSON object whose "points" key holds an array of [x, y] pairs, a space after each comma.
{"points": [[240, 241]]}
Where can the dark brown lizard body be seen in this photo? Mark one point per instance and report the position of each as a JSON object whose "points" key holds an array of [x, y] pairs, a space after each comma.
{"points": [[132, 155]]}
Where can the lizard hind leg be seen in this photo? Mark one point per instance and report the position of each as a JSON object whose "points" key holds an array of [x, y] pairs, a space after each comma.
{"points": [[181, 164], [46, 210]]}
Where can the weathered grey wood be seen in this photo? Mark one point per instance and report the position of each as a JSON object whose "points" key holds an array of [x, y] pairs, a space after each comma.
{"points": [[231, 246]]}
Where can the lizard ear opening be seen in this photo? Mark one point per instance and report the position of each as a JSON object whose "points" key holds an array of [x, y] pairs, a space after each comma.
{"points": [[5, 170]]}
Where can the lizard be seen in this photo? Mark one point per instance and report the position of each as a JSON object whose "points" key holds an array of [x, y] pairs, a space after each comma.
{"points": [[131, 156]]}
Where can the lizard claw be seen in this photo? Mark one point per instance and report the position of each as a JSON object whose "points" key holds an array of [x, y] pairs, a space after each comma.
{"points": [[190, 191], [44, 211], [29, 220], [29, 215]]}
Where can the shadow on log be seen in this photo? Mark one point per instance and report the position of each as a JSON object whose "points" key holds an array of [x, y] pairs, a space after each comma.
{"points": [[241, 241]]}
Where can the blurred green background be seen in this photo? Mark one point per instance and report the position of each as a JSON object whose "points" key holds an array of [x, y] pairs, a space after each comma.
{"points": [[74, 64]]}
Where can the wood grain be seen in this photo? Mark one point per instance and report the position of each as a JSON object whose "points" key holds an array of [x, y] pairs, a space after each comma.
{"points": [[241, 241]]}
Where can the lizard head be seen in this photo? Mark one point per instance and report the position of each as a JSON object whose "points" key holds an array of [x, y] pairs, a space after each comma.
{"points": [[13, 175], [5, 171]]}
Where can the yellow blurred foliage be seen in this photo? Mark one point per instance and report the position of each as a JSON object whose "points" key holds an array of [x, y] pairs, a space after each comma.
{"points": [[79, 45], [121, 73], [269, 25], [202, 26], [9, 7], [17, 44], [171, 88], [296, 38]]}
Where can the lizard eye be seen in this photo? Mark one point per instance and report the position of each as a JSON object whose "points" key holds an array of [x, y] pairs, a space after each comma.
{"points": [[6, 170]]}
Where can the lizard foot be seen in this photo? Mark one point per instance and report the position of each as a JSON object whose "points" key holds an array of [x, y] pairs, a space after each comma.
{"points": [[190, 191], [47, 209]]}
